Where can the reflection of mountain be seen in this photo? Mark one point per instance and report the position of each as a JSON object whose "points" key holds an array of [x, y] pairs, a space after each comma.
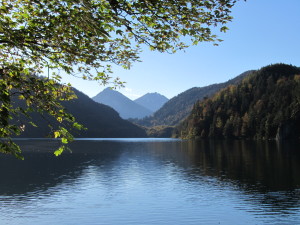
{"points": [[259, 164], [41, 170], [268, 173], [265, 165]]}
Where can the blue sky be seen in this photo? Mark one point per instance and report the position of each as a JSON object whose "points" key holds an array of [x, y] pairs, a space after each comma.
{"points": [[263, 32]]}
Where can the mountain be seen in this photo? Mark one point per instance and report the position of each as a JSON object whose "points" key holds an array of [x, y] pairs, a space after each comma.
{"points": [[265, 105], [152, 101], [102, 121], [180, 106], [123, 105]]}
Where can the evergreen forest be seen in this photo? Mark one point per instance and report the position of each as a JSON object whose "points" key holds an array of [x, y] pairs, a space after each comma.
{"points": [[265, 105]]}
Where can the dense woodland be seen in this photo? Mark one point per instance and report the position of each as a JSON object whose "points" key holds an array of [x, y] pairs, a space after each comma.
{"points": [[265, 105]]}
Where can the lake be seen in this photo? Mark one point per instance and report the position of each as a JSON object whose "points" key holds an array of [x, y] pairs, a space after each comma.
{"points": [[152, 181]]}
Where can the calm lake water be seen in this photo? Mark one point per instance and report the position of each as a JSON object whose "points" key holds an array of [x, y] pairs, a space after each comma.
{"points": [[152, 181]]}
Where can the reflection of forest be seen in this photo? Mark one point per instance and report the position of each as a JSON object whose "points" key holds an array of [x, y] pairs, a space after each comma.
{"points": [[270, 165], [267, 172]]}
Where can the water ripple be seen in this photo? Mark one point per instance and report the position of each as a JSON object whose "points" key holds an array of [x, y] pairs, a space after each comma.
{"points": [[145, 183]]}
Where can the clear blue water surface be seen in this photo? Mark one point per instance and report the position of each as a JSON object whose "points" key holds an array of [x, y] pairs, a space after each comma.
{"points": [[151, 181]]}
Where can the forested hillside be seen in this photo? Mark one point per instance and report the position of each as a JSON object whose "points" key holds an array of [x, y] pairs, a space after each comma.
{"points": [[100, 121], [265, 105], [179, 107]]}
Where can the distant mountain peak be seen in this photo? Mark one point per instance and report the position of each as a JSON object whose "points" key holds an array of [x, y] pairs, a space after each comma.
{"points": [[152, 101], [122, 104]]}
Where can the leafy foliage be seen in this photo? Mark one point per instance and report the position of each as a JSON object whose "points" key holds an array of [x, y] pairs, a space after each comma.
{"points": [[37, 94], [83, 38], [265, 105]]}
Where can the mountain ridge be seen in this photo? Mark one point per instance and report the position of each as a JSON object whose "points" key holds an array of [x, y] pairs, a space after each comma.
{"points": [[122, 104], [152, 101], [179, 107], [100, 120]]}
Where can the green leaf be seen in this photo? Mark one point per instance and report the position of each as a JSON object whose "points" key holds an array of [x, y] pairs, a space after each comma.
{"points": [[64, 140], [56, 134], [59, 151], [77, 126], [33, 124]]}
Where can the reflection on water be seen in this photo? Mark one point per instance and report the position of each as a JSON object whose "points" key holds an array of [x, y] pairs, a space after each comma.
{"points": [[148, 181]]}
